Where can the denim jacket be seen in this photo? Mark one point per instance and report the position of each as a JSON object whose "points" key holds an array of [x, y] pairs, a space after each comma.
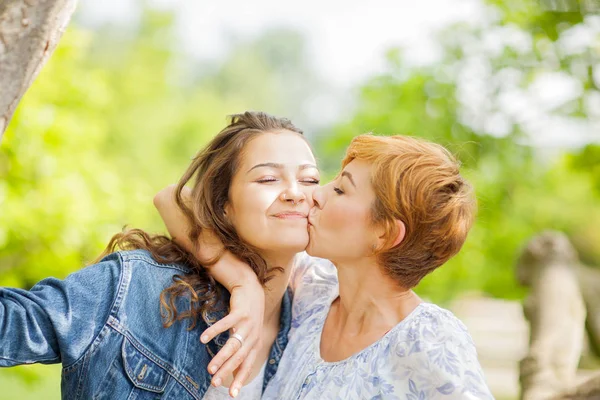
{"points": [[103, 323]]}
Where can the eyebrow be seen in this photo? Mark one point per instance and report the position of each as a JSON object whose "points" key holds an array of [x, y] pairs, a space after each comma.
{"points": [[281, 166], [349, 176]]}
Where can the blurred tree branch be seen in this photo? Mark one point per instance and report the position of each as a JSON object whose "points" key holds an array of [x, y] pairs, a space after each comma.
{"points": [[29, 33]]}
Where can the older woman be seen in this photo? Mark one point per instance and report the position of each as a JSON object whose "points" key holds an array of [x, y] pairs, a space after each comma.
{"points": [[398, 210]]}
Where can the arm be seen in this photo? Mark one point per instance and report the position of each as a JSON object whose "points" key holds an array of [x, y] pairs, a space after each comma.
{"points": [[229, 271], [209, 246], [57, 320], [237, 277]]}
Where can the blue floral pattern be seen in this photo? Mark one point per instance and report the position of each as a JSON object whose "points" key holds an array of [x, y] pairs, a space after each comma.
{"points": [[428, 355]]}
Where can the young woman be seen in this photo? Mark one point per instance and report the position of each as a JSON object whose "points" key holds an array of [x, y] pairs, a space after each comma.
{"points": [[129, 326], [398, 210]]}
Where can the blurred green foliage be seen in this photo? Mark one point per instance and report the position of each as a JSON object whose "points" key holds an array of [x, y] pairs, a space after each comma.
{"points": [[521, 189], [116, 115], [118, 112]]}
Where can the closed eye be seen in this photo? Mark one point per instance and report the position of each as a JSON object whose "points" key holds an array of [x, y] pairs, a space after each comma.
{"points": [[338, 190], [311, 181]]}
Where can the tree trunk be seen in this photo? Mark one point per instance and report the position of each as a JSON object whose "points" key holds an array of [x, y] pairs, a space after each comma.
{"points": [[29, 33]]}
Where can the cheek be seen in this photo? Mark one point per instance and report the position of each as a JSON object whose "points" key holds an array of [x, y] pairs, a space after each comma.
{"points": [[250, 210], [344, 218], [335, 217], [342, 231]]}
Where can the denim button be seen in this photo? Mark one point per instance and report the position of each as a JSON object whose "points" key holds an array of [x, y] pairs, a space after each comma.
{"points": [[141, 369], [271, 361], [143, 373]]}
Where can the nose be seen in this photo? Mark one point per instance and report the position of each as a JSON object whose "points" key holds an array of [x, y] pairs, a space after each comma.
{"points": [[318, 197], [293, 195]]}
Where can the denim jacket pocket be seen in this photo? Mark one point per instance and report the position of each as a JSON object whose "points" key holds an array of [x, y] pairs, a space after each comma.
{"points": [[143, 372]]}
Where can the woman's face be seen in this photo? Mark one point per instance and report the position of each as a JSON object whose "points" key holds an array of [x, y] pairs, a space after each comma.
{"points": [[340, 224], [271, 193]]}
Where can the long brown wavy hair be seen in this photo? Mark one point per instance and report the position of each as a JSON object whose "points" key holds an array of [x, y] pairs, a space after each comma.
{"points": [[213, 170]]}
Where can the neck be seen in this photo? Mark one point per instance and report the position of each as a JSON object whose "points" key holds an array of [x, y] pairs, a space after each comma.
{"points": [[276, 287], [369, 298]]}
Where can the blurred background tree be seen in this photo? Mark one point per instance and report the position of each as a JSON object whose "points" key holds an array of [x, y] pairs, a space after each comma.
{"points": [[482, 101], [120, 109]]}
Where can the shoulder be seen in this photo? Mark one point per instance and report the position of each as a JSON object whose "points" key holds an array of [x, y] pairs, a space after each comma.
{"points": [[427, 328], [134, 278], [124, 266], [143, 258], [118, 269], [114, 263], [434, 324], [436, 347], [145, 277]]}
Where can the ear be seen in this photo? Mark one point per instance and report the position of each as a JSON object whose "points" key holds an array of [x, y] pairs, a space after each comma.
{"points": [[401, 229], [400, 234]]}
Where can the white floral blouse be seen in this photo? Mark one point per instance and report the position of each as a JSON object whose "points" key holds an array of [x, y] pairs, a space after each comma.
{"points": [[428, 355]]}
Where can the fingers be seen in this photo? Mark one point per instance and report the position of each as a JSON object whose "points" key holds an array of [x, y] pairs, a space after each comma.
{"points": [[219, 327], [243, 373], [230, 364], [231, 347]]}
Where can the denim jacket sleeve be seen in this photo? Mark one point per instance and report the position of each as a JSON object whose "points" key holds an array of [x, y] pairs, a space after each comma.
{"points": [[57, 320]]}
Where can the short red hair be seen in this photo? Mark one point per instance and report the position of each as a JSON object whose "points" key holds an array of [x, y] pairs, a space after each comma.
{"points": [[417, 182]]}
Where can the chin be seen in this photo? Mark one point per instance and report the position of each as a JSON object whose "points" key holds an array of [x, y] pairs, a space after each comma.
{"points": [[296, 244], [291, 247]]}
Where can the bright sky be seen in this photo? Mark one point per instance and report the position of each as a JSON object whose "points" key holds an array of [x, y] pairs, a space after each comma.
{"points": [[347, 40]]}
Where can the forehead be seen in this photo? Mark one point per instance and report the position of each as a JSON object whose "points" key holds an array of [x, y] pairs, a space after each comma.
{"points": [[284, 147], [361, 172], [361, 175]]}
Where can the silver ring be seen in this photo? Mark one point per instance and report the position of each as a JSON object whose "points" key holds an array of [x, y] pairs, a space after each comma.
{"points": [[239, 338]]}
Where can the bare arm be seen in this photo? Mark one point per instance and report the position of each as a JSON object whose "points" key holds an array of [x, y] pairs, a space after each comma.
{"points": [[209, 246], [237, 277]]}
